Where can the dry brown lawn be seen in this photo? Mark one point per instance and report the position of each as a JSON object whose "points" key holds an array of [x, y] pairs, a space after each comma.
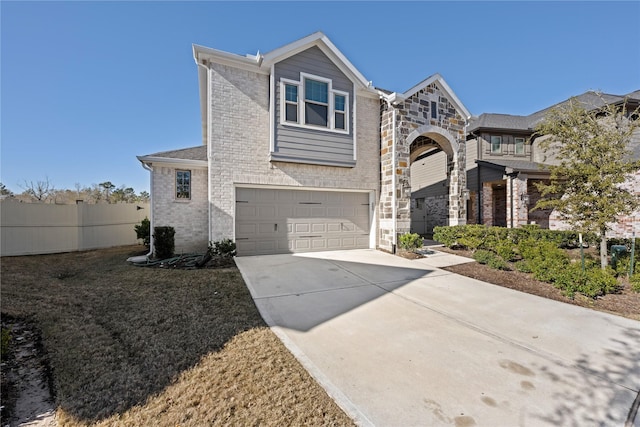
{"points": [[142, 346]]}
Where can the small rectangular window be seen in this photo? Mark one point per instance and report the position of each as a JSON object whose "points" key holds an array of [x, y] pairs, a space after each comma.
{"points": [[291, 101], [496, 144], [339, 111], [183, 184], [519, 145], [434, 110]]}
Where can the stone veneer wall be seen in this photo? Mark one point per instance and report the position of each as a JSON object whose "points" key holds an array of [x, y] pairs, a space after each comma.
{"points": [[412, 114], [240, 144]]}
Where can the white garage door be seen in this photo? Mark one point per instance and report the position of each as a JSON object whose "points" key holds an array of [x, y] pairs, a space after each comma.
{"points": [[271, 221]]}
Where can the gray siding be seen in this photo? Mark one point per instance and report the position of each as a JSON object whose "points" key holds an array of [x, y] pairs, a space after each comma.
{"points": [[429, 176], [508, 147], [308, 145]]}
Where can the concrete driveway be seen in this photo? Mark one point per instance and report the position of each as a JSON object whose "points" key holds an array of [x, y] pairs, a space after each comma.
{"points": [[403, 343]]}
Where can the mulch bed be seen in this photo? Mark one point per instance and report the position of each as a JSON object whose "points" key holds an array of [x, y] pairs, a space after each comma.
{"points": [[625, 303]]}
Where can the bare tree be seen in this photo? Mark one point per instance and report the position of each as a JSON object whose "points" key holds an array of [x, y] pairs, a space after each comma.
{"points": [[39, 190]]}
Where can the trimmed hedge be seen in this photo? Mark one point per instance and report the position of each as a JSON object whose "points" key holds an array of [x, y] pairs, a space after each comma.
{"points": [[163, 241], [536, 251]]}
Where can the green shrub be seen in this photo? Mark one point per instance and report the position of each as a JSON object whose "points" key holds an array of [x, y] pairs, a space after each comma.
{"points": [[483, 256], [635, 282], [163, 241], [592, 282], [505, 249], [225, 248], [473, 237], [410, 241], [524, 266], [143, 231], [491, 259], [448, 236]]}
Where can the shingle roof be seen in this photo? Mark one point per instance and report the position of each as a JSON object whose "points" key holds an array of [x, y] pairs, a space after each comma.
{"points": [[589, 100], [192, 153], [515, 165]]}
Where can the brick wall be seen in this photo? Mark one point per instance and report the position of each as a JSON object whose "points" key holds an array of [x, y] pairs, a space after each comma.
{"points": [[187, 217]]}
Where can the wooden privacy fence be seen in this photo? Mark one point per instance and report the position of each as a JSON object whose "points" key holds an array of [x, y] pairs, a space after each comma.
{"points": [[33, 228]]}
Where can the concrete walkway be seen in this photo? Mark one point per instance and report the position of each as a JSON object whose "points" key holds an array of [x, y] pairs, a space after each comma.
{"points": [[403, 343]]}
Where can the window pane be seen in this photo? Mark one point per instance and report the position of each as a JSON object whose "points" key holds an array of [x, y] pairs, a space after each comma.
{"points": [[292, 113], [315, 114], [519, 145], [183, 184], [316, 91], [291, 93], [434, 110], [339, 120], [496, 144], [339, 102]]}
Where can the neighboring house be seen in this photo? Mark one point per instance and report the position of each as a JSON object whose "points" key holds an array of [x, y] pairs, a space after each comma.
{"points": [[502, 167], [300, 152]]}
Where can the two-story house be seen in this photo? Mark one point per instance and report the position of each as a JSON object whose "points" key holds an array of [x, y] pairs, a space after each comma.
{"points": [[503, 163], [300, 152]]}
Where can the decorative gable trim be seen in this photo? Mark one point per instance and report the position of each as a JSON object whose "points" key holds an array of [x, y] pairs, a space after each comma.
{"points": [[444, 87]]}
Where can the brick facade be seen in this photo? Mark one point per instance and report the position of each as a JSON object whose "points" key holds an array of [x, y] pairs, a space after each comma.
{"points": [[189, 218], [240, 144]]}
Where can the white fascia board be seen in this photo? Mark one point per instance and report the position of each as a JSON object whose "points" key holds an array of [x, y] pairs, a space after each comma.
{"points": [[152, 160], [320, 40], [250, 63], [437, 78]]}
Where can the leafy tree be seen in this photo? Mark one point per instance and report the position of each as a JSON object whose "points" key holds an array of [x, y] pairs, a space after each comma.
{"points": [[144, 196], [108, 186], [594, 160]]}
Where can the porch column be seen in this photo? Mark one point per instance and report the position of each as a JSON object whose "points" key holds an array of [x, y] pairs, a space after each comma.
{"points": [[457, 199]]}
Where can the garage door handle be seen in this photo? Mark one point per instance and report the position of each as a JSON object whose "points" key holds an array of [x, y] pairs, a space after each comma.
{"points": [[275, 227], [307, 237]]}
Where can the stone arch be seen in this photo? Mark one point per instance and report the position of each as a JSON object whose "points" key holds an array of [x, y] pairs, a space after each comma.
{"points": [[445, 140]]}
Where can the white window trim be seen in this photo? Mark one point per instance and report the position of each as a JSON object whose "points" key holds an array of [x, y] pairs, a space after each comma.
{"points": [[491, 144], [515, 146], [175, 178], [301, 103]]}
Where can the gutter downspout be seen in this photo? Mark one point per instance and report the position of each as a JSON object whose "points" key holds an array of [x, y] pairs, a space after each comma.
{"points": [[150, 169], [209, 155]]}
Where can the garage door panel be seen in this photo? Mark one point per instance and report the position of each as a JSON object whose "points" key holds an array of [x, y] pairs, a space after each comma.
{"points": [[277, 221]]}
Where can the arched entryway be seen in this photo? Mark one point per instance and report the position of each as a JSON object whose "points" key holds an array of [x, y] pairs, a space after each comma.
{"points": [[413, 125], [436, 181]]}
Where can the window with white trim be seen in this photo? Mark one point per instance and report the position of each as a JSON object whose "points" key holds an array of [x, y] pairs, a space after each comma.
{"points": [[313, 103], [496, 144], [183, 184], [519, 142]]}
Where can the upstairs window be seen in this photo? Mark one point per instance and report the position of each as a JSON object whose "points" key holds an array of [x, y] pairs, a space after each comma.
{"points": [[496, 145], [291, 103], [434, 110], [316, 103], [183, 184], [519, 146], [313, 103]]}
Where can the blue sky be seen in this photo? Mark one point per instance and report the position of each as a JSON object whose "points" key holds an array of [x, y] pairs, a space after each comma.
{"points": [[87, 86]]}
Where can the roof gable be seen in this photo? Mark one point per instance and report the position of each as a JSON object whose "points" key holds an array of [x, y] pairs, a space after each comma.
{"points": [[320, 40], [442, 85]]}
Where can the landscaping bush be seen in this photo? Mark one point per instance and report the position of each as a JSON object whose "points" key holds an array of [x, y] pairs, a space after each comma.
{"points": [[163, 241], [491, 259], [225, 248], [410, 241], [448, 236], [635, 282], [592, 282], [143, 231]]}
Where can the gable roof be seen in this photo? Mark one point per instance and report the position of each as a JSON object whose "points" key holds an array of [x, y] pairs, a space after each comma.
{"points": [[440, 82], [590, 100], [511, 166], [195, 156]]}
